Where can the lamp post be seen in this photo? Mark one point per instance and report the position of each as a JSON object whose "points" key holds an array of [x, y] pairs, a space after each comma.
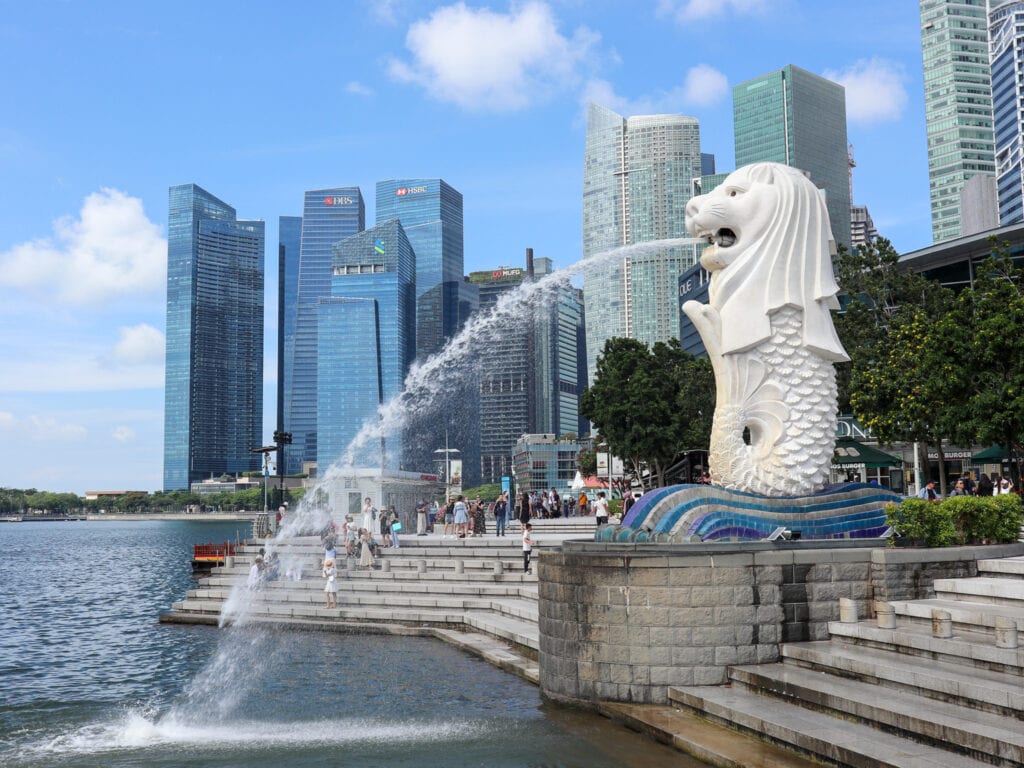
{"points": [[447, 465], [266, 450]]}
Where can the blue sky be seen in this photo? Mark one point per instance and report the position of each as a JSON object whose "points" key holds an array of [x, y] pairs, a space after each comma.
{"points": [[104, 105]]}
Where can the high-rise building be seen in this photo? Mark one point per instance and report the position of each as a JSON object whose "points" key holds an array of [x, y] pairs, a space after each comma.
{"points": [[431, 214], [213, 399], [328, 215], [289, 229], [366, 343], [506, 381], [796, 118], [862, 226], [531, 373], [957, 104], [1006, 36], [430, 211], [637, 179], [555, 357]]}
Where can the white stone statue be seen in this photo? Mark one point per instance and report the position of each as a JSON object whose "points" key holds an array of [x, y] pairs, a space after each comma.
{"points": [[767, 329]]}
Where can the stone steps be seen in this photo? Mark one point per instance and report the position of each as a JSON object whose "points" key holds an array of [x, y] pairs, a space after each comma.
{"points": [[1006, 567], [982, 589], [818, 734], [457, 588], [949, 725], [967, 649], [974, 615], [942, 679]]}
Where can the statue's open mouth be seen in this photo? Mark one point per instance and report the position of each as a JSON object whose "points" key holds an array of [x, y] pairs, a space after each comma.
{"points": [[723, 237]]}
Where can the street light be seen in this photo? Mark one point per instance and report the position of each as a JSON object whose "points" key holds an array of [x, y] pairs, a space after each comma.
{"points": [[266, 450]]}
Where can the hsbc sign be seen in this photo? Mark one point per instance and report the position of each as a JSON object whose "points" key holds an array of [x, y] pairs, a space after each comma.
{"points": [[404, 191], [338, 200]]}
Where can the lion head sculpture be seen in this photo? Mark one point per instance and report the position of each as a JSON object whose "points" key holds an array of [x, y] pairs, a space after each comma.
{"points": [[770, 246]]}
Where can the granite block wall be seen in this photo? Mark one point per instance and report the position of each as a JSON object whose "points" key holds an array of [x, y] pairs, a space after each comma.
{"points": [[624, 622]]}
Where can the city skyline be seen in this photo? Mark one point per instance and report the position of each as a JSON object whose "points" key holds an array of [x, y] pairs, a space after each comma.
{"points": [[105, 125]]}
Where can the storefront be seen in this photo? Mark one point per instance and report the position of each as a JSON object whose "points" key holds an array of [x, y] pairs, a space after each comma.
{"points": [[855, 462]]}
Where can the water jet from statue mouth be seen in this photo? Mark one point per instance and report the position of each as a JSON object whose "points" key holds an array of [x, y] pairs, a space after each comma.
{"points": [[723, 238]]}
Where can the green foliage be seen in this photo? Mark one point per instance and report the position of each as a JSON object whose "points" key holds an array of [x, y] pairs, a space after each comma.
{"points": [[486, 492], [586, 460], [923, 521], [959, 520], [650, 405]]}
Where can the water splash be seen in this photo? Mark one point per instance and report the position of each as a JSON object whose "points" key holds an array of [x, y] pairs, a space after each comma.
{"points": [[423, 388]]}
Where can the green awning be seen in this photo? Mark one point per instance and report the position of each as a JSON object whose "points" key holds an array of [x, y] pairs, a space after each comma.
{"points": [[851, 452], [992, 455]]}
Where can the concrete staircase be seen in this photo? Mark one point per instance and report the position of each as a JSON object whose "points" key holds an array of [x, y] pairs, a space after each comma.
{"points": [[941, 688], [474, 584]]}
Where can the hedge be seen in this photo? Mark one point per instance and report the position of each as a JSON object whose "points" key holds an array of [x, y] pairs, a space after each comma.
{"points": [[958, 520]]}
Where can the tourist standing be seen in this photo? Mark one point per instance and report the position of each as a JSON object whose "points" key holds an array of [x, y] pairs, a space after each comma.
{"points": [[958, 489], [928, 492], [500, 514], [461, 516], [985, 486], [369, 514], [555, 502], [449, 518], [583, 502], [527, 547], [421, 518], [524, 508], [601, 509], [396, 528], [366, 550], [1005, 486], [479, 518], [331, 587]]}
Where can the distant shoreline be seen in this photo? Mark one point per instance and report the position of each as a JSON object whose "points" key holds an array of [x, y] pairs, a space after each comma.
{"points": [[201, 517]]}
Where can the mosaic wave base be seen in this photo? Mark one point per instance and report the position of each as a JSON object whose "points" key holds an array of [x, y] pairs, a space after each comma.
{"points": [[710, 513]]}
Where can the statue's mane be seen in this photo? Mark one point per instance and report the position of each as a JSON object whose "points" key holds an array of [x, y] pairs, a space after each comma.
{"points": [[788, 264]]}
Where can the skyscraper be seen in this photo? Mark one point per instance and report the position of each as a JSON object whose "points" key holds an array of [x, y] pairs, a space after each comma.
{"points": [[793, 117], [430, 211], [637, 179], [328, 215], [957, 104], [431, 214], [213, 401], [289, 238], [1006, 35], [530, 373], [366, 342]]}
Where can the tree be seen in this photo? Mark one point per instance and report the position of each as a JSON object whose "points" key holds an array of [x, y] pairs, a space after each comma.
{"points": [[894, 383], [649, 404], [985, 329], [586, 460]]}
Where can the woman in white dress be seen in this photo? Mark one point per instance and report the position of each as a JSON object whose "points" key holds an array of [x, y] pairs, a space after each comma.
{"points": [[331, 587]]}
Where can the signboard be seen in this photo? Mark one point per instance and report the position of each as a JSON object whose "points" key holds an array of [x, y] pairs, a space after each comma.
{"points": [[455, 480], [506, 486], [338, 200], [406, 191]]}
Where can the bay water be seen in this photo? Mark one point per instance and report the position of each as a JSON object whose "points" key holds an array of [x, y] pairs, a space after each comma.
{"points": [[90, 679]]}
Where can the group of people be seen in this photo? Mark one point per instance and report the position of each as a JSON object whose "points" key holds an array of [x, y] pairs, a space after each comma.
{"points": [[966, 486]]}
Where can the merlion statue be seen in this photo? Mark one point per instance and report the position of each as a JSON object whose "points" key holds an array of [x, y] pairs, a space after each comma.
{"points": [[768, 330]]}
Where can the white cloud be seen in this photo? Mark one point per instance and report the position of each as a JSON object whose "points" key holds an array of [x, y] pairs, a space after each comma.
{"points": [[112, 249], [123, 434], [875, 91], [691, 10], [482, 60], [139, 345], [358, 89], [43, 429], [703, 86]]}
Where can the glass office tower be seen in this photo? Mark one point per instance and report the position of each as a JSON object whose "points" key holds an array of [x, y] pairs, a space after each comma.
{"points": [[957, 104], [289, 237], [213, 407], [328, 215], [431, 214], [793, 117], [366, 343], [1006, 35], [430, 211], [637, 179]]}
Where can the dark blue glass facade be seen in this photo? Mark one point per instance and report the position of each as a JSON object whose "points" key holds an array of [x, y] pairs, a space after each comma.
{"points": [[213, 409], [430, 211], [366, 342], [328, 216], [431, 214], [289, 237]]}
